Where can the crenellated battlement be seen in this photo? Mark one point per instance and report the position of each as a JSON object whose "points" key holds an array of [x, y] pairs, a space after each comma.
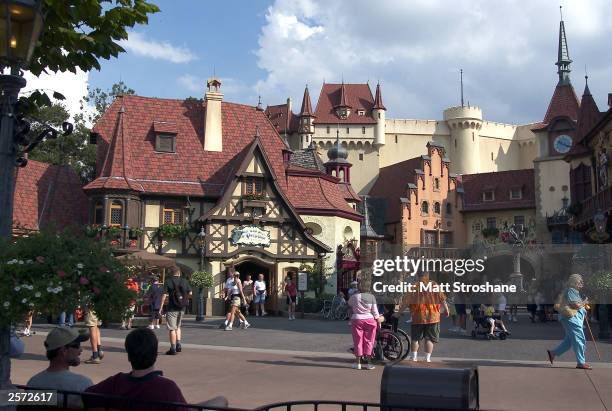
{"points": [[463, 113]]}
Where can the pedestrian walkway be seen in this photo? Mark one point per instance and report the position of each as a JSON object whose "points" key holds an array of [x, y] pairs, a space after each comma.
{"points": [[254, 377]]}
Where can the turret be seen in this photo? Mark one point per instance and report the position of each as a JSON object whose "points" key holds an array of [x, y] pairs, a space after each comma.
{"points": [[464, 123], [306, 121], [378, 112], [338, 165]]}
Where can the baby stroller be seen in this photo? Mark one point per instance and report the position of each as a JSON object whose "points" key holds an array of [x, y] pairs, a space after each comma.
{"points": [[482, 326]]}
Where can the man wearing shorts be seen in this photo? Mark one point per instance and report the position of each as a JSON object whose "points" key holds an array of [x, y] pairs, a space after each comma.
{"points": [[93, 323], [260, 295], [425, 310], [174, 313]]}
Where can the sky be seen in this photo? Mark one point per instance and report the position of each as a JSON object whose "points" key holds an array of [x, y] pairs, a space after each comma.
{"points": [[414, 48]]}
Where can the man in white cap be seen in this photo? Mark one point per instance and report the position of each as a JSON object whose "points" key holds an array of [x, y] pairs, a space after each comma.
{"points": [[63, 345]]}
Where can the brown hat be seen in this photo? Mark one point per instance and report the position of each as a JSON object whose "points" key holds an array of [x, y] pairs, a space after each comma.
{"points": [[60, 336]]}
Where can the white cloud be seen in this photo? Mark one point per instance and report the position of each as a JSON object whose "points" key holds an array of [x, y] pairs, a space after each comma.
{"points": [[191, 83], [140, 45], [72, 86], [416, 48]]}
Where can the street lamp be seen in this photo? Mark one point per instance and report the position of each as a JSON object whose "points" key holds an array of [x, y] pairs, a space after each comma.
{"points": [[600, 220], [201, 243], [20, 25]]}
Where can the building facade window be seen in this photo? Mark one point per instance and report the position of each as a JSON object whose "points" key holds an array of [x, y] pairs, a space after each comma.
{"points": [[98, 215], [516, 193], [253, 186], [360, 156], [396, 139], [491, 222], [347, 130], [165, 143], [116, 214], [361, 112], [362, 130], [172, 214], [488, 195], [436, 184], [327, 129], [476, 227], [437, 208], [580, 183], [425, 208], [449, 208]]}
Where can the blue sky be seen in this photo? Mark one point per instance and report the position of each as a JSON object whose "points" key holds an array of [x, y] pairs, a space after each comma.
{"points": [[272, 48]]}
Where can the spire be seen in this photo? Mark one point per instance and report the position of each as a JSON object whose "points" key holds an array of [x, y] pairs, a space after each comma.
{"points": [[366, 230], [378, 103], [343, 96], [588, 113], [306, 106], [337, 153], [563, 59]]}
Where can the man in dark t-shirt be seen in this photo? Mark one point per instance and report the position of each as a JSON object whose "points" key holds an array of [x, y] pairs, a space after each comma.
{"points": [[143, 383], [174, 314]]}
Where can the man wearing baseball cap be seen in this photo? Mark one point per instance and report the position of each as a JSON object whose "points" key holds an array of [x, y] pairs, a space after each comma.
{"points": [[63, 345]]}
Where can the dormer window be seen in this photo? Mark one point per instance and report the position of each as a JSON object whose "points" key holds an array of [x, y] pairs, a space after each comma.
{"points": [[343, 112], [488, 195], [516, 193], [361, 112], [253, 186], [165, 143]]}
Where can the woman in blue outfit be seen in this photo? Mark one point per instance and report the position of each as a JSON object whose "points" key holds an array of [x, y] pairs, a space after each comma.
{"points": [[572, 313]]}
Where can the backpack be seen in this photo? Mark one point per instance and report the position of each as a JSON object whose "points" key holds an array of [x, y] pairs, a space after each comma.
{"points": [[180, 295]]}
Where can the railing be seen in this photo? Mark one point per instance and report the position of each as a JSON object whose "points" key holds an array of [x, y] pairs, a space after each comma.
{"points": [[71, 400], [600, 201]]}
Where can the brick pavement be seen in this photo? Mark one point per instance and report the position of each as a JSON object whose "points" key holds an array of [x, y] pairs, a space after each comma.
{"points": [[253, 377]]}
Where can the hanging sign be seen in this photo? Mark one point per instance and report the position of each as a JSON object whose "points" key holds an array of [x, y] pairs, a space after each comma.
{"points": [[302, 283], [250, 235]]}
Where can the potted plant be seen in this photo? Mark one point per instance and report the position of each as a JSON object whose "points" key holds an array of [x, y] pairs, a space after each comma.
{"points": [[92, 230], [136, 232], [201, 280], [113, 231], [171, 231]]}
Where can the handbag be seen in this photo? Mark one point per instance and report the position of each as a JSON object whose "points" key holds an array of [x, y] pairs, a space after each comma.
{"points": [[563, 308]]}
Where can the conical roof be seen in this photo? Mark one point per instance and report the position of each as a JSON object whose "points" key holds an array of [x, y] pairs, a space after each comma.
{"points": [[306, 106], [378, 103]]}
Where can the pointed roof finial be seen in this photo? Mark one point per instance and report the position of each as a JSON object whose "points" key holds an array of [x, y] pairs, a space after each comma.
{"points": [[259, 106], [343, 102], [378, 103], [563, 59], [257, 132]]}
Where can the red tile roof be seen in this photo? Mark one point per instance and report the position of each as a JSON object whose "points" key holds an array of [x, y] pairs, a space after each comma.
{"points": [[391, 185], [563, 103], [306, 109], [191, 170], [357, 96], [48, 196], [588, 114], [501, 182], [378, 103], [282, 119]]}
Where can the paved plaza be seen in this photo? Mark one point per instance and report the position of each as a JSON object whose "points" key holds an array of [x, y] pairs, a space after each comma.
{"points": [[278, 360]]}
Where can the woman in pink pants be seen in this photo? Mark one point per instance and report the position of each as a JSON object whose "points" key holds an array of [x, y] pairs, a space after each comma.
{"points": [[364, 322]]}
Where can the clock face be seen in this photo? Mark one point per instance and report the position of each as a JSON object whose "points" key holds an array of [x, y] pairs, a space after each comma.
{"points": [[562, 143]]}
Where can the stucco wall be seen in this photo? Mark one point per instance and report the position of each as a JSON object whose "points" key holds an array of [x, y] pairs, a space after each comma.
{"points": [[472, 233]]}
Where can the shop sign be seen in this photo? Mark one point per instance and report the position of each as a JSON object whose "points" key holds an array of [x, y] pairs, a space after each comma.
{"points": [[250, 235]]}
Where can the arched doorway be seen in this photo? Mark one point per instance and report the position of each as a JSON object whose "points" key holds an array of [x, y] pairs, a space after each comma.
{"points": [[254, 266]]}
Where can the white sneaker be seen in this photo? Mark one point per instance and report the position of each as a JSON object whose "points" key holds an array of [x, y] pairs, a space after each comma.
{"points": [[264, 313], [357, 366], [26, 332], [228, 328], [428, 360], [157, 326], [368, 367], [151, 327], [246, 325]]}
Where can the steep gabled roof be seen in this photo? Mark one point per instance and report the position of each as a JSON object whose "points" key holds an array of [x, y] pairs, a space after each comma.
{"points": [[501, 183], [48, 195], [378, 103], [589, 114], [391, 185], [282, 119], [357, 96], [564, 103]]}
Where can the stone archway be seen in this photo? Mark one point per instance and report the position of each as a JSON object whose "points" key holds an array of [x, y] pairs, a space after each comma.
{"points": [[253, 265]]}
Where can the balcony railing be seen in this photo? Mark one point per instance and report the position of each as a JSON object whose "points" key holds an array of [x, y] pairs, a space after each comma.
{"points": [[600, 201]]}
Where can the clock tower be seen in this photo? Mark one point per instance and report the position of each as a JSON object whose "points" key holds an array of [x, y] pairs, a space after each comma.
{"points": [[556, 136]]}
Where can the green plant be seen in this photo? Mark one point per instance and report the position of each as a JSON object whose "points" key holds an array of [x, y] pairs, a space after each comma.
{"points": [[202, 279], [113, 231], [46, 272], [171, 231], [317, 275], [92, 230], [136, 232]]}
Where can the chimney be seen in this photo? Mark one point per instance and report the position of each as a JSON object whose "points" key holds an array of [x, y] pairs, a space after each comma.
{"points": [[610, 100], [289, 104], [213, 128]]}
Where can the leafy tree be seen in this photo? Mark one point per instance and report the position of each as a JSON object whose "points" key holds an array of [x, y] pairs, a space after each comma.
{"points": [[317, 275], [101, 99], [76, 34]]}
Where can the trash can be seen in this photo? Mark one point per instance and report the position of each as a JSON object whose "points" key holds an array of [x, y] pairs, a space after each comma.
{"points": [[404, 387]]}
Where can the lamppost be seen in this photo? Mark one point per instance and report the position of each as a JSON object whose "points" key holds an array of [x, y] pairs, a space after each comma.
{"points": [[126, 231], [201, 244], [600, 220], [20, 25]]}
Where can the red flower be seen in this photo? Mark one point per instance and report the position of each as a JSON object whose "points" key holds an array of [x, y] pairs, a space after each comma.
{"points": [[61, 274], [83, 281], [40, 259]]}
